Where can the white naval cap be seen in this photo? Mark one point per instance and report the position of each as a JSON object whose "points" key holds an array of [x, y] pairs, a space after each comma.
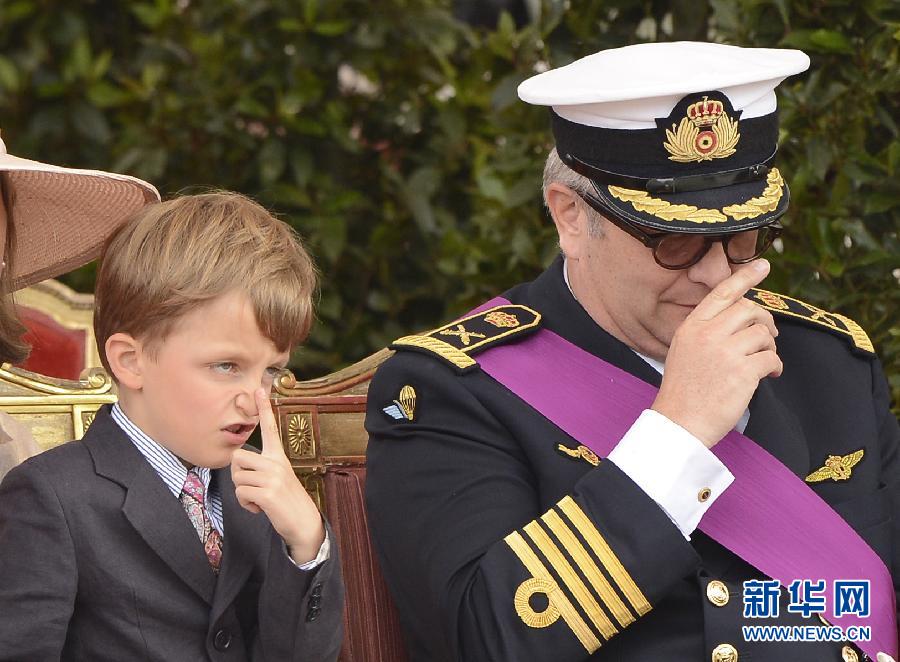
{"points": [[676, 137], [630, 87]]}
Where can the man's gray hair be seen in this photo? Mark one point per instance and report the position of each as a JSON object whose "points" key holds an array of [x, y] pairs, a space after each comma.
{"points": [[557, 171]]}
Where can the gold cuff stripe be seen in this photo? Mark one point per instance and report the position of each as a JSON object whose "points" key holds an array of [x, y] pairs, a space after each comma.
{"points": [[556, 597], [572, 581], [588, 568], [609, 560], [439, 347]]}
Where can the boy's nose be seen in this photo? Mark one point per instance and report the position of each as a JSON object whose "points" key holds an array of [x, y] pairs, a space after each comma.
{"points": [[246, 404]]}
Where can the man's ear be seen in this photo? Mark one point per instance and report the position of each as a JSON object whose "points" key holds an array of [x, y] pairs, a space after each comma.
{"points": [[570, 218], [125, 355]]}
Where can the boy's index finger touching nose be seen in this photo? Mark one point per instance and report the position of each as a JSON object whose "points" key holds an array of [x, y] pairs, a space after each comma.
{"points": [[271, 440]]}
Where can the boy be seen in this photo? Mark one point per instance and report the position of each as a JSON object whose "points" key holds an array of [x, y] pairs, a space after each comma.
{"points": [[157, 536]]}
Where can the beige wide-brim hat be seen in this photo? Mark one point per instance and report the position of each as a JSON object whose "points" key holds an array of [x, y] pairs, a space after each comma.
{"points": [[62, 216]]}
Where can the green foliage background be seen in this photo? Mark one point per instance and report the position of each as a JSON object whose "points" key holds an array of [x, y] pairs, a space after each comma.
{"points": [[390, 136]]}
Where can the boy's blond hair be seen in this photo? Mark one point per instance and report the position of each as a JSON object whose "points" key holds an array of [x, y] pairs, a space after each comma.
{"points": [[173, 256]]}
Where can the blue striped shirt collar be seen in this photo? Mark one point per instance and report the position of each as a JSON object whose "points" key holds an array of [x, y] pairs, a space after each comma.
{"points": [[170, 469]]}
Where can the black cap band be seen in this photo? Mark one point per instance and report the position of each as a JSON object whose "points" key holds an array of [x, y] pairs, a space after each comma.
{"points": [[640, 152], [684, 184]]}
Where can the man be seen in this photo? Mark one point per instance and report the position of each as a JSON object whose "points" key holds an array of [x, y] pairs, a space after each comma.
{"points": [[564, 475]]}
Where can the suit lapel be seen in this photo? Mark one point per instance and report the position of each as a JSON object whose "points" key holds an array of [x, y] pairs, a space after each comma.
{"points": [[245, 537], [151, 509]]}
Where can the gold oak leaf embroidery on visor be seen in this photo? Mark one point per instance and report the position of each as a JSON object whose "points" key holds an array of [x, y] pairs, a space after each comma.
{"points": [[646, 203]]}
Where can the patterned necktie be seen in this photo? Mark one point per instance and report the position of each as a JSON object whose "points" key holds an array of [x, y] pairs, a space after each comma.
{"points": [[192, 496]]}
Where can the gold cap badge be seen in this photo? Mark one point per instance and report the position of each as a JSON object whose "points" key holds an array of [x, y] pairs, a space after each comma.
{"points": [[706, 132]]}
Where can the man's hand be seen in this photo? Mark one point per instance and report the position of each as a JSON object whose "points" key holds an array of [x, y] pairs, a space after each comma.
{"points": [[266, 483], [717, 357]]}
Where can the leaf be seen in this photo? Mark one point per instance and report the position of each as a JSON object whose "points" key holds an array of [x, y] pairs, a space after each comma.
{"points": [[821, 40], [310, 10], [91, 123], [101, 64], [302, 166], [9, 76], [272, 161], [880, 202], [818, 155], [332, 28], [332, 236], [831, 41], [491, 186], [247, 105], [505, 93], [79, 62], [150, 15], [105, 95], [782, 6], [418, 192], [291, 25]]}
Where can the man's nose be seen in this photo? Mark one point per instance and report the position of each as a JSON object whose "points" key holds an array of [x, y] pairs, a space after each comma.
{"points": [[712, 268]]}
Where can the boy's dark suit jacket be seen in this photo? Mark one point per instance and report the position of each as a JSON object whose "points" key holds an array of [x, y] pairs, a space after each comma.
{"points": [[99, 562]]}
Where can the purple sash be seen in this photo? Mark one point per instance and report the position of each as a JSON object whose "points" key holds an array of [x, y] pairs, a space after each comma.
{"points": [[768, 516]]}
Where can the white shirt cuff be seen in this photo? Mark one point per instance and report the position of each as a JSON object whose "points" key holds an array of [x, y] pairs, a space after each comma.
{"points": [[321, 557], [673, 467]]}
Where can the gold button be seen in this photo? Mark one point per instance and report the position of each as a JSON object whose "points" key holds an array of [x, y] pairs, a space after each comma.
{"points": [[704, 494], [717, 593], [849, 655], [725, 653]]}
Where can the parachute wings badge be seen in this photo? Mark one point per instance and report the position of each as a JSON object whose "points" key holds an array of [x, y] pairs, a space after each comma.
{"points": [[404, 407]]}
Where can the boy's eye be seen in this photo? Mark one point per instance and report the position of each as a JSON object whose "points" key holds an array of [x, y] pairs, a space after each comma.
{"points": [[224, 366], [274, 371]]}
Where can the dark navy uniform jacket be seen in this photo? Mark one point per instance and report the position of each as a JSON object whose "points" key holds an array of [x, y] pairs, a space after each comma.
{"points": [[478, 515]]}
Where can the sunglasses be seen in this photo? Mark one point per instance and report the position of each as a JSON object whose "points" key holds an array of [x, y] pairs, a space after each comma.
{"points": [[681, 250]]}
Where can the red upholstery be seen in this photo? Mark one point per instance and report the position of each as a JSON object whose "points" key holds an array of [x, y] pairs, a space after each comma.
{"points": [[55, 350], [370, 618]]}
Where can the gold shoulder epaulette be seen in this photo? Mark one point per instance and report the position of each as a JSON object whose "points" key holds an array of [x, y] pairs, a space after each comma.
{"points": [[457, 341], [833, 322]]}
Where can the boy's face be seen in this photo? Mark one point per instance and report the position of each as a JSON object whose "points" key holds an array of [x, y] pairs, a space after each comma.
{"points": [[196, 394]]}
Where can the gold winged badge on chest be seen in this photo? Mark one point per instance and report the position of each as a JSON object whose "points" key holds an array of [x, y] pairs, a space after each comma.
{"points": [[837, 467]]}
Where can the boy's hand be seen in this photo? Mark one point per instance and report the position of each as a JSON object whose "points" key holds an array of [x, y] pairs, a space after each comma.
{"points": [[266, 482]]}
